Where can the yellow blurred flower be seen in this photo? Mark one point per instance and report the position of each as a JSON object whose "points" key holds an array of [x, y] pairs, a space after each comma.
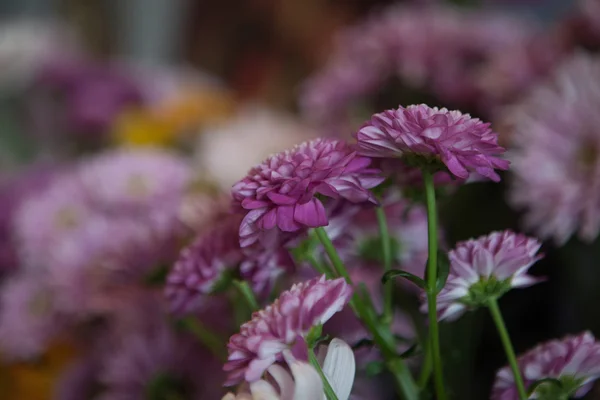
{"points": [[36, 380], [165, 124]]}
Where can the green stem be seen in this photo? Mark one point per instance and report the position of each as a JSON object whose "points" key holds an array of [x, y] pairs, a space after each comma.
{"points": [[425, 369], [338, 264], [387, 264], [321, 268], [432, 236], [329, 392], [208, 338], [381, 333], [247, 294], [508, 348]]}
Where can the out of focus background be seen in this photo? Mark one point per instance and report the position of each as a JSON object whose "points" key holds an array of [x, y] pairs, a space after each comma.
{"points": [[219, 85]]}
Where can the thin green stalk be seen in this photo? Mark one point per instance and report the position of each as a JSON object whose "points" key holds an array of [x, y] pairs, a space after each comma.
{"points": [[425, 369], [338, 264], [329, 392], [320, 267], [386, 248], [208, 338], [508, 348], [247, 294], [432, 235], [381, 333]]}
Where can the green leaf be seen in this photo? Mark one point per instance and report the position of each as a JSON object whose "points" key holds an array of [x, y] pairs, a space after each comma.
{"points": [[411, 352], [443, 270], [395, 273], [374, 368], [314, 335], [532, 388]]}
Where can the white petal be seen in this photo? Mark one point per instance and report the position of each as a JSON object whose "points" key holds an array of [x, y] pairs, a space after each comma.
{"points": [[284, 380], [263, 390], [340, 367], [309, 385]]}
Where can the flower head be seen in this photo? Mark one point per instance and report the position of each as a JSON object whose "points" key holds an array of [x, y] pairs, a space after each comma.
{"points": [[556, 158], [280, 194], [422, 136], [574, 361], [305, 382], [486, 268], [203, 264], [283, 325], [28, 319]]}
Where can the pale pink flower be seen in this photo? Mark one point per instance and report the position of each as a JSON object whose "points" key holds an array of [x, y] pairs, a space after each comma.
{"points": [[556, 163], [486, 268], [573, 360], [422, 135], [283, 325], [280, 195]]}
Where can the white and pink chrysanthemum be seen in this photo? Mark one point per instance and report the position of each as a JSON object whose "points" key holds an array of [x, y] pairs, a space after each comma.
{"points": [[556, 163], [281, 193], [283, 325], [486, 268], [203, 264], [574, 361], [422, 135], [28, 319], [304, 382]]}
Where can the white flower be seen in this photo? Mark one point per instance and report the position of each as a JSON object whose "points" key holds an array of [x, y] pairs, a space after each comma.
{"points": [[305, 383]]}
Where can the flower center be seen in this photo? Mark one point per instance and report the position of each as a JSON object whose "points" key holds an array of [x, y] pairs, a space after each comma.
{"points": [[138, 185], [588, 154], [484, 290], [66, 218], [40, 303]]}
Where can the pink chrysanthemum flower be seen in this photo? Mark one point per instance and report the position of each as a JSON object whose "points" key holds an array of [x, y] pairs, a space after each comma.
{"points": [[421, 135], [134, 179], [574, 361], [280, 194], [556, 158], [28, 319], [264, 268], [283, 325], [485, 268], [203, 264]]}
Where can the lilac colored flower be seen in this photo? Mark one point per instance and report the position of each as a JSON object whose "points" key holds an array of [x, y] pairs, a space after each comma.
{"points": [[486, 268], [441, 50], [556, 164], [279, 195], [203, 265], [28, 320], [93, 93], [422, 135], [283, 325], [262, 269], [77, 381], [154, 359], [573, 360], [135, 179]]}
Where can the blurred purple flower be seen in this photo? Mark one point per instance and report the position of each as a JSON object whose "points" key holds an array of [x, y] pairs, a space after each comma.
{"points": [[203, 264], [262, 269], [556, 157], [279, 195], [485, 268], [28, 319], [421, 135], [94, 94], [283, 325], [573, 360]]}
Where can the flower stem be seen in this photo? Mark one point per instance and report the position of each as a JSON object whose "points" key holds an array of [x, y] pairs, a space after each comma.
{"points": [[425, 369], [208, 338], [338, 264], [381, 332], [432, 235], [329, 392], [386, 248], [508, 348], [247, 294]]}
